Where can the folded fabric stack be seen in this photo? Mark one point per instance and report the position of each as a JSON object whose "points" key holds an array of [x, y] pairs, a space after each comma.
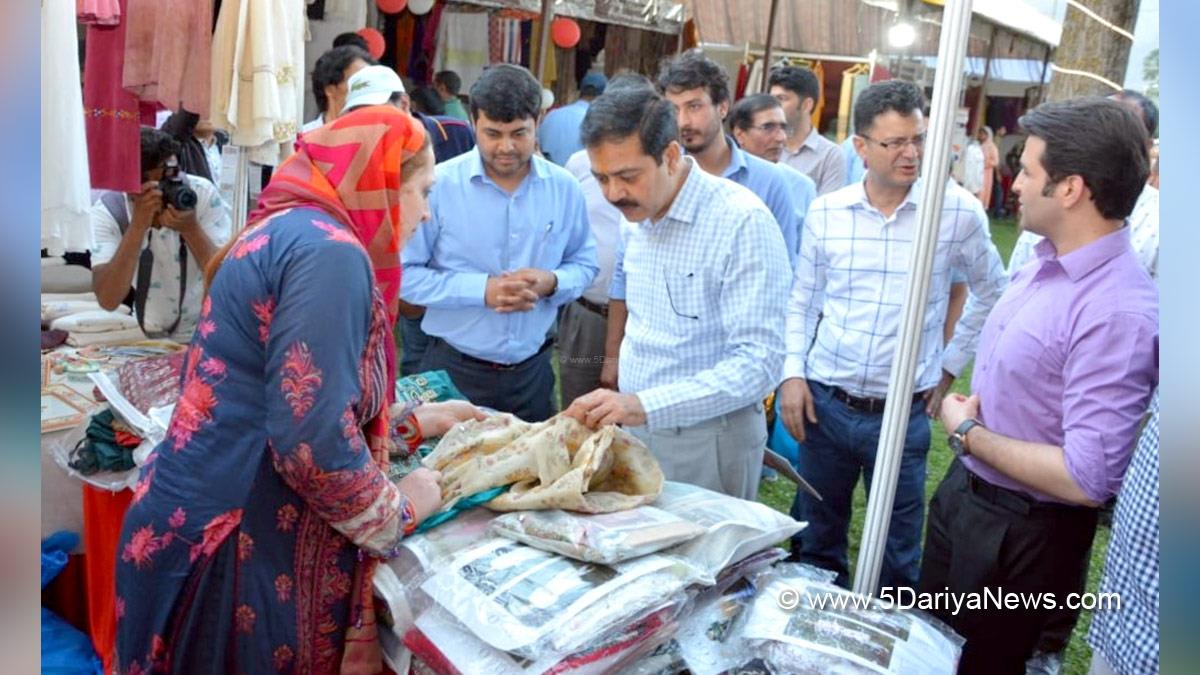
{"points": [[558, 463], [524, 592], [97, 326], [57, 305]]}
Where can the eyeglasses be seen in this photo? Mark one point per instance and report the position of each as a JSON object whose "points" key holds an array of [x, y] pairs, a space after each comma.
{"points": [[897, 145], [772, 127]]}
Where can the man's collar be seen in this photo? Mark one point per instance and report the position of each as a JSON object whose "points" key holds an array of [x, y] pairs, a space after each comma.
{"points": [[1087, 258], [811, 139], [684, 207], [737, 158], [536, 169]]}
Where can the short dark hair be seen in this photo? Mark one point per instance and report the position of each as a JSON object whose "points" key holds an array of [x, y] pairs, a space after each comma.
{"points": [[741, 116], [897, 95], [626, 110], [1149, 110], [630, 80], [351, 38], [506, 92], [157, 148], [330, 69], [425, 100], [800, 81], [1098, 139], [450, 80], [693, 70]]}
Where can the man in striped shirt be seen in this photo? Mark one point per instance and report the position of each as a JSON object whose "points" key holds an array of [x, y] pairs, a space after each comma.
{"points": [[699, 287], [842, 330]]}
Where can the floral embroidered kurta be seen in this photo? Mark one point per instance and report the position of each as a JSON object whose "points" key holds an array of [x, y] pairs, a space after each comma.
{"points": [[242, 545]]}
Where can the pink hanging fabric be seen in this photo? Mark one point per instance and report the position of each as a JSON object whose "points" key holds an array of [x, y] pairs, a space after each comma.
{"points": [[168, 51], [112, 114], [98, 12]]}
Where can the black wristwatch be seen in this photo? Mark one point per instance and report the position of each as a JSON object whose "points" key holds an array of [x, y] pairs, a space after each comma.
{"points": [[958, 439]]}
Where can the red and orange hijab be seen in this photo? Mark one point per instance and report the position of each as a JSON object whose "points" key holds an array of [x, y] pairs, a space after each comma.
{"points": [[350, 168]]}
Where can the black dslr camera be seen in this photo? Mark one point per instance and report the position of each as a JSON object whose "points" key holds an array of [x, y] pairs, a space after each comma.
{"points": [[176, 193]]}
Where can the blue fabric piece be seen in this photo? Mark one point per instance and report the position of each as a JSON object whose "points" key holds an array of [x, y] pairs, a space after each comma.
{"points": [[461, 506], [65, 649], [781, 440]]}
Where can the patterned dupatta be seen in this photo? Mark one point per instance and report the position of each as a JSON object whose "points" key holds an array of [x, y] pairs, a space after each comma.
{"points": [[350, 169]]}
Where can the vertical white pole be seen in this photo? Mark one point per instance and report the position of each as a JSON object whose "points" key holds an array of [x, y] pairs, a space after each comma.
{"points": [[956, 27]]}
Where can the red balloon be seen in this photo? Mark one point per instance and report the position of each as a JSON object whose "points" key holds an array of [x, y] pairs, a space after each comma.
{"points": [[375, 41], [565, 32], [391, 6]]}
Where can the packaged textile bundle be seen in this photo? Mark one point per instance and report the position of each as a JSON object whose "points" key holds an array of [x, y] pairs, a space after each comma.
{"points": [[557, 464], [448, 648], [736, 528], [533, 603], [522, 608], [847, 635], [606, 538]]}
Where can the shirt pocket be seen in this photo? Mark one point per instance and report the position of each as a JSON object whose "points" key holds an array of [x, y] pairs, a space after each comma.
{"points": [[686, 298]]}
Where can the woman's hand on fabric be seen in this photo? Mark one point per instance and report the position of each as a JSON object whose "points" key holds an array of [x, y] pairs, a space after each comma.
{"points": [[435, 419], [423, 488]]}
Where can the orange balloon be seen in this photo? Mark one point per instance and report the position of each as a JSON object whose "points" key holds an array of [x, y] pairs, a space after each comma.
{"points": [[375, 41], [391, 6], [565, 32]]}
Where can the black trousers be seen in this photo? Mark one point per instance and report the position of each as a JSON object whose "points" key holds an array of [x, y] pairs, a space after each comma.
{"points": [[525, 390], [982, 536]]}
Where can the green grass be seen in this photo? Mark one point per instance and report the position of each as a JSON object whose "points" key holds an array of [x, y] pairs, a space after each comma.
{"points": [[778, 494]]}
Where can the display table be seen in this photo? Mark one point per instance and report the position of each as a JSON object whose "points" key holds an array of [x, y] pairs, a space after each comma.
{"points": [[94, 513]]}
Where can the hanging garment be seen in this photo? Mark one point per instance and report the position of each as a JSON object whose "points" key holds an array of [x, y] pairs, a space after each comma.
{"points": [[505, 40], [167, 52], [258, 75], [111, 114], [98, 12], [463, 45], [65, 186]]}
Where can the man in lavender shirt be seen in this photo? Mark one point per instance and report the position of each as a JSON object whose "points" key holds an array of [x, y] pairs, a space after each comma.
{"points": [[1065, 368]]}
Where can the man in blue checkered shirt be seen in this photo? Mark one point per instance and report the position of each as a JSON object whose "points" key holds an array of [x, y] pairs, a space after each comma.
{"points": [[1125, 640], [843, 329], [700, 287]]}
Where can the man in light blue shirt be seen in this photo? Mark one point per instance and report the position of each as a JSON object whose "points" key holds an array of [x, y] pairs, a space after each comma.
{"points": [[699, 89], [700, 284], [558, 135], [506, 245], [855, 169], [760, 128]]}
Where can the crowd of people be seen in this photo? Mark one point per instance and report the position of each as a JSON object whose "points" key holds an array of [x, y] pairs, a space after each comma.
{"points": [[685, 256]]}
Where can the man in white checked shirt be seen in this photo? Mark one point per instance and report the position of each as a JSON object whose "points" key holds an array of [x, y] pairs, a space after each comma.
{"points": [[842, 330], [700, 286]]}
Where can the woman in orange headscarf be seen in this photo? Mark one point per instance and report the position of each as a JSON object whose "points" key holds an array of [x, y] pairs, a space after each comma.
{"points": [[257, 524]]}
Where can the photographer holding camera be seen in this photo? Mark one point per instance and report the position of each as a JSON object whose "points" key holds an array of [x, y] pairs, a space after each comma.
{"points": [[158, 242]]}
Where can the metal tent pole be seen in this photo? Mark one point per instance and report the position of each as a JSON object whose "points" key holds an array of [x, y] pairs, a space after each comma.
{"points": [[241, 190], [956, 26]]}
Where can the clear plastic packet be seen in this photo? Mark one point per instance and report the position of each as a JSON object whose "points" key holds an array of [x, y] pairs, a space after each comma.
{"points": [[800, 625], [447, 647], [736, 528], [605, 538], [532, 603]]}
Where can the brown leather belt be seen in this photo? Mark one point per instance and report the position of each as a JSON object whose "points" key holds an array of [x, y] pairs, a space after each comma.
{"points": [[602, 310], [867, 405]]}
